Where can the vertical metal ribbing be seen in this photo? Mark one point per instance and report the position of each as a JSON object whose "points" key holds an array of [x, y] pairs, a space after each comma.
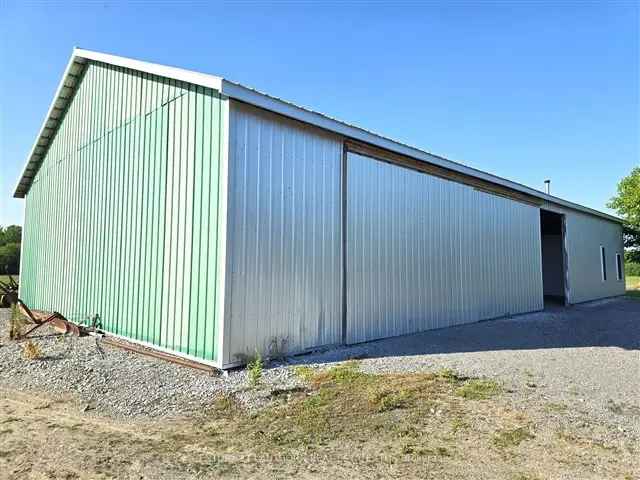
{"points": [[425, 257], [132, 235], [284, 240]]}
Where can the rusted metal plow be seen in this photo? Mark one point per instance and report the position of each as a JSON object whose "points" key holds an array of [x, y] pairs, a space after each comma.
{"points": [[8, 292], [56, 320]]}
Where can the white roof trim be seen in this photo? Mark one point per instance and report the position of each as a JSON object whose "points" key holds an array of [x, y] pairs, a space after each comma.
{"points": [[50, 125], [262, 100], [189, 76]]}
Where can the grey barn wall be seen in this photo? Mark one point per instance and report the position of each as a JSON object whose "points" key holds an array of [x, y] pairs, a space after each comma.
{"points": [[425, 253], [467, 255], [584, 235], [284, 235]]}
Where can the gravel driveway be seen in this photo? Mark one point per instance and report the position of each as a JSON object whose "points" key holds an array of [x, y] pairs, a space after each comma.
{"points": [[583, 359]]}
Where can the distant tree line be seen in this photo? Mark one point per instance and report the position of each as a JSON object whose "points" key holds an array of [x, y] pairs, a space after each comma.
{"points": [[10, 238]]}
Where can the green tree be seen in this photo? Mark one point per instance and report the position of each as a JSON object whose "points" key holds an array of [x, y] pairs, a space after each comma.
{"points": [[10, 234], [10, 238], [627, 204], [10, 258]]}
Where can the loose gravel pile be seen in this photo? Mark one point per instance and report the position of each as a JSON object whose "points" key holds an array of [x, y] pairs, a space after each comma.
{"points": [[122, 383], [582, 362]]}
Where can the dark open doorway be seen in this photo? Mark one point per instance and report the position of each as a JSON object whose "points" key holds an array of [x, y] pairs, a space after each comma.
{"points": [[553, 257]]}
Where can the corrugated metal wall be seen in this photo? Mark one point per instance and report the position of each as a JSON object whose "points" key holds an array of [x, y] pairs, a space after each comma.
{"points": [[424, 253], [284, 234], [126, 219], [122, 218], [584, 235]]}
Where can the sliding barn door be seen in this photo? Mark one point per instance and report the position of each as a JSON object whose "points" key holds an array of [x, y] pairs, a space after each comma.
{"points": [[424, 252]]}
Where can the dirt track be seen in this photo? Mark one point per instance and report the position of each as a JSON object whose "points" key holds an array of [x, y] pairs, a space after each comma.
{"points": [[567, 409]]}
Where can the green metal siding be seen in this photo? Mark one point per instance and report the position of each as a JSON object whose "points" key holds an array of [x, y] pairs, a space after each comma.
{"points": [[122, 218]]}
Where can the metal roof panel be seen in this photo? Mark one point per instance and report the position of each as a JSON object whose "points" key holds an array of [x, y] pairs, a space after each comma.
{"points": [[80, 57]]}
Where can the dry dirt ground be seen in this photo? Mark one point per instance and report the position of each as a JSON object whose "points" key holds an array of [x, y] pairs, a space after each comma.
{"points": [[344, 420]]}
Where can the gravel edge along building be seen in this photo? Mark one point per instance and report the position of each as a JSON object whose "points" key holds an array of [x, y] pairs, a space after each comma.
{"points": [[204, 218]]}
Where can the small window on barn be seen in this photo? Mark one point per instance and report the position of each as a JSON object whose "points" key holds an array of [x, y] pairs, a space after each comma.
{"points": [[603, 264], [619, 266]]}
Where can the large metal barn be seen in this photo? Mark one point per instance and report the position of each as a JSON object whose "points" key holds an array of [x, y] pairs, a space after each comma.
{"points": [[201, 217]]}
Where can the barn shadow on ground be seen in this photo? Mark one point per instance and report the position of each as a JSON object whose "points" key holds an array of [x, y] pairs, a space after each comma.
{"points": [[605, 323]]}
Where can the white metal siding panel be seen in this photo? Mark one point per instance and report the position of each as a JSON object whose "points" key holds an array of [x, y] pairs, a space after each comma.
{"points": [[284, 244], [584, 235], [425, 253]]}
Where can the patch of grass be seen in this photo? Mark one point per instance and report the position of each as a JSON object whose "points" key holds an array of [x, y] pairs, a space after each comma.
{"points": [[458, 424], [343, 403], [512, 438], [450, 375], [347, 372], [225, 404], [255, 369], [383, 401], [304, 372], [412, 449], [556, 407], [479, 389], [407, 431], [346, 403], [31, 350], [320, 400], [286, 392]]}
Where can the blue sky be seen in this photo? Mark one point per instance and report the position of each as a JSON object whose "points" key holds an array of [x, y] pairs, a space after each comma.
{"points": [[525, 92]]}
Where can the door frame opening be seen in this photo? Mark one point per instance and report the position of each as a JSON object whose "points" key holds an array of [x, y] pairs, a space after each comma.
{"points": [[555, 280]]}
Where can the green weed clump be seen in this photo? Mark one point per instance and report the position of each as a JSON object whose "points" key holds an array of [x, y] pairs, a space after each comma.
{"points": [[479, 389], [346, 372], [304, 372], [255, 368], [450, 375], [512, 438]]}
